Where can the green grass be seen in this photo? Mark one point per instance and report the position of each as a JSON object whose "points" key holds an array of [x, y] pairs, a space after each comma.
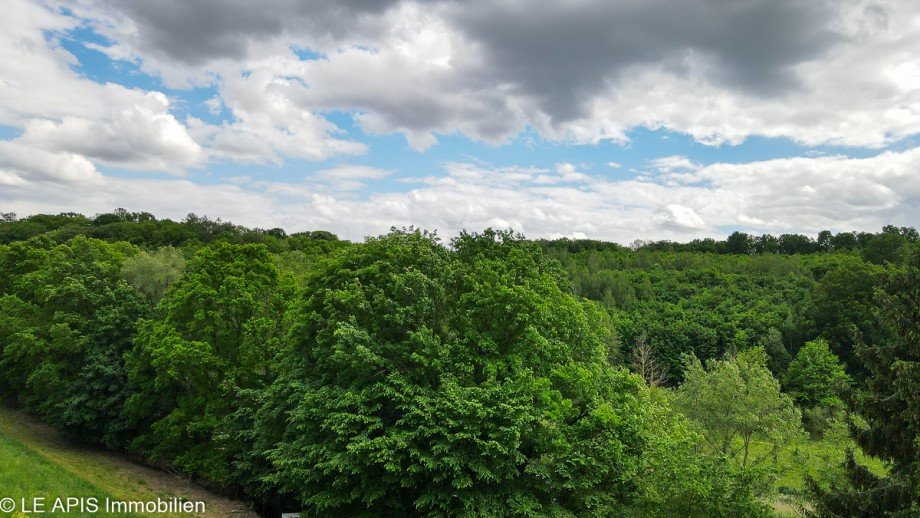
{"points": [[25, 474], [817, 459], [36, 462], [820, 459]]}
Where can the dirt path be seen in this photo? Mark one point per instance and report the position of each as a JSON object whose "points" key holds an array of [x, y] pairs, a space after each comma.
{"points": [[110, 472]]}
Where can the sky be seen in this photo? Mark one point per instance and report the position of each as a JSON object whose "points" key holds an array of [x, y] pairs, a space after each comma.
{"points": [[635, 119]]}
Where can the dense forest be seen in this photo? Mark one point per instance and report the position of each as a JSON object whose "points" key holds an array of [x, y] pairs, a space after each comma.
{"points": [[483, 375]]}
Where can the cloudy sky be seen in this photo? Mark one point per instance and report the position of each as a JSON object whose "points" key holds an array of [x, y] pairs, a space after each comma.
{"points": [[652, 119]]}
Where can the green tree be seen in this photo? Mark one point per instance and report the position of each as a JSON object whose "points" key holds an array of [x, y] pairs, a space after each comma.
{"points": [[151, 273], [843, 309], [423, 380], [221, 326], [777, 356], [890, 405], [739, 243], [816, 377], [68, 320], [678, 477], [884, 248], [737, 402]]}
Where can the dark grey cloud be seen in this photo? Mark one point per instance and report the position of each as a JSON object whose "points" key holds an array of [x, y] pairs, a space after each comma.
{"points": [[562, 53], [195, 32], [555, 57]]}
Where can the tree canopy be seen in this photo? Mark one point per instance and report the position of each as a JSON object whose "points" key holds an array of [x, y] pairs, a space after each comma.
{"points": [[462, 381], [486, 375]]}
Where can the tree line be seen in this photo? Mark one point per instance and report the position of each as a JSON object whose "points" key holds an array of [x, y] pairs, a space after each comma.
{"points": [[484, 375]]}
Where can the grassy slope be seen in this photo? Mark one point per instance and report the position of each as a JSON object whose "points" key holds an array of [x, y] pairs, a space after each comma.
{"points": [[818, 459], [24, 473], [36, 462]]}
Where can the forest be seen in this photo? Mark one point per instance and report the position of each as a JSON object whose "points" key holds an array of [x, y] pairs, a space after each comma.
{"points": [[483, 374]]}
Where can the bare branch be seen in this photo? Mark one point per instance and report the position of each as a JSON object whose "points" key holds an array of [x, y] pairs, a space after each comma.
{"points": [[646, 365]]}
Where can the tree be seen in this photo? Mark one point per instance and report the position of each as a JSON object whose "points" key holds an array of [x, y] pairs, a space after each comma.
{"points": [[220, 327], [678, 477], [737, 401], [777, 355], [797, 244], [890, 405], [844, 241], [646, 365], [151, 273], [68, 321], [739, 243], [884, 248], [816, 377], [424, 380], [825, 240], [843, 309]]}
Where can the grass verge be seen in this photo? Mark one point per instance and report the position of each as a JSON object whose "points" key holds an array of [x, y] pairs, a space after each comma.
{"points": [[36, 462]]}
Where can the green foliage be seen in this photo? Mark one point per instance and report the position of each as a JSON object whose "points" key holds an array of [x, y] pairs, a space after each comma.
{"points": [[777, 356], [400, 376], [843, 308], [151, 273], [737, 402], [68, 318], [221, 326], [678, 478], [428, 381], [884, 248], [143, 229], [816, 378], [890, 405], [706, 304]]}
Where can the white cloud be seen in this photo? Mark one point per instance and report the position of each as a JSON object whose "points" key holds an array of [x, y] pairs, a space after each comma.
{"points": [[680, 217], [21, 164], [348, 177], [268, 125], [839, 73], [673, 164], [850, 76], [352, 172], [784, 195], [65, 115], [70, 121], [142, 136]]}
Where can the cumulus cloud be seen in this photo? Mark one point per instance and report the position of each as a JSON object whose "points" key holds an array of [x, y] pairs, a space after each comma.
{"points": [[185, 41], [268, 126], [673, 163], [782, 195], [142, 136], [562, 53], [819, 73], [65, 115], [822, 72], [680, 217], [22, 165], [69, 122], [348, 177]]}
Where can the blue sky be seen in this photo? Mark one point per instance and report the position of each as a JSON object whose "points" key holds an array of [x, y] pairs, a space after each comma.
{"points": [[612, 122]]}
